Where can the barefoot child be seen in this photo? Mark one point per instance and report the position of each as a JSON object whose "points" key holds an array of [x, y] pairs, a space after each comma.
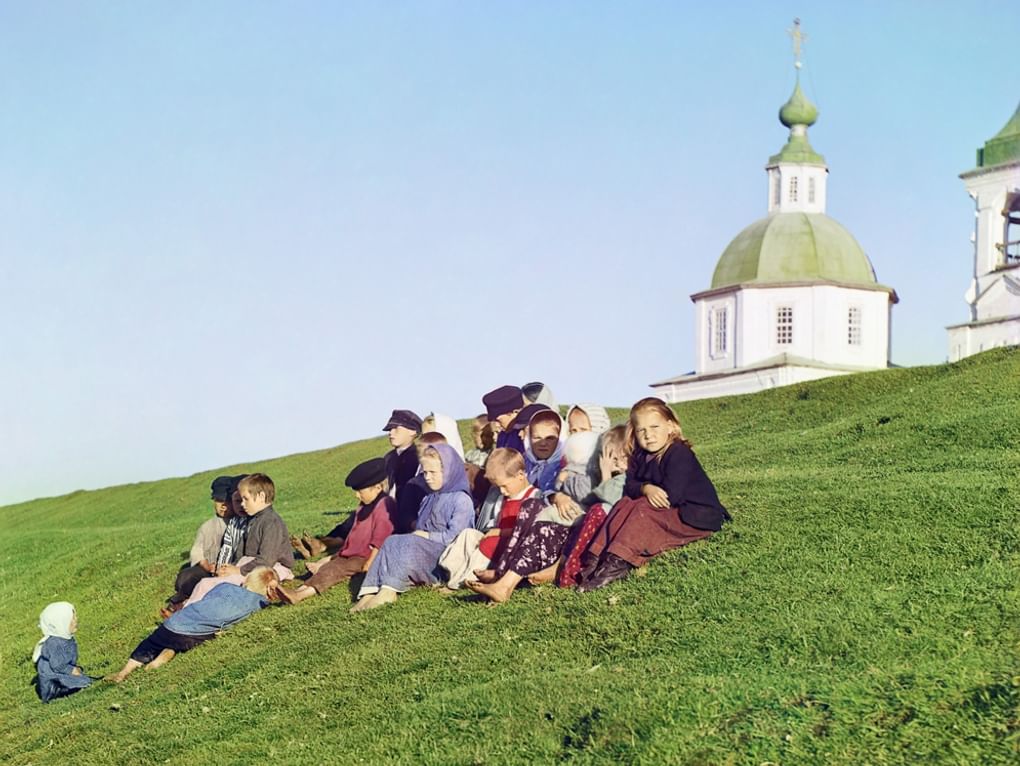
{"points": [[473, 549], [56, 654], [413, 559], [266, 542], [669, 500], [373, 523], [225, 605]]}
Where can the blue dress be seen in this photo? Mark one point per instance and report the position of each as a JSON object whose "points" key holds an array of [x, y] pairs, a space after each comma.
{"points": [[58, 658], [407, 560]]}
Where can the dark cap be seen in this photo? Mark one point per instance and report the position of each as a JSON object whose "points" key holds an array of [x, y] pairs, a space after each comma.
{"points": [[221, 488], [236, 480], [404, 418], [502, 400], [524, 416], [366, 474]]}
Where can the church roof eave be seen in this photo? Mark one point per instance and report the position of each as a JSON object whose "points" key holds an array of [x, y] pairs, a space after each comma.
{"points": [[715, 292]]}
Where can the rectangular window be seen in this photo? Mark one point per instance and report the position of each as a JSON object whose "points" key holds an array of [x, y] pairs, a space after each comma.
{"points": [[853, 337], [793, 189], [811, 190], [718, 331], [777, 193], [784, 325]]}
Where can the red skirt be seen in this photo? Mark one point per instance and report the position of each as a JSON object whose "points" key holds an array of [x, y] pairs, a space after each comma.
{"points": [[635, 531]]}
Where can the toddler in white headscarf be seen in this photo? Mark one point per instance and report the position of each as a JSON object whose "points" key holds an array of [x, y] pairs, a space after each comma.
{"points": [[56, 654]]}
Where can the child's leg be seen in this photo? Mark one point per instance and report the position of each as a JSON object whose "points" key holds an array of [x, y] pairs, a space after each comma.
{"points": [[297, 595], [546, 575], [129, 667], [383, 597], [161, 659], [499, 591]]}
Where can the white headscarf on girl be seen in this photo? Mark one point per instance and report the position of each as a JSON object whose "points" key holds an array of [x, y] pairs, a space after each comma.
{"points": [[447, 426], [597, 416], [55, 620]]}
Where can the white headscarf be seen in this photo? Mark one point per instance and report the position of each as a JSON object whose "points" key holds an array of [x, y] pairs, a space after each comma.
{"points": [[447, 426], [597, 416], [55, 620]]}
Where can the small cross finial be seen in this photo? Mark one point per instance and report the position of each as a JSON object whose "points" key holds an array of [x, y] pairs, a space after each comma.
{"points": [[798, 40]]}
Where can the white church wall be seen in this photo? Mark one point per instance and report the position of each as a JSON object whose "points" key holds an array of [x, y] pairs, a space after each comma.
{"points": [[748, 382], [989, 190], [966, 340]]}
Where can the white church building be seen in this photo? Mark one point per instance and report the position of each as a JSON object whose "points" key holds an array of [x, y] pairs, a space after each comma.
{"points": [[994, 293], [793, 297]]}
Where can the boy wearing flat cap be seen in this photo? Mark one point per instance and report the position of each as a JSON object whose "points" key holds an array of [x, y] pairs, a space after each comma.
{"points": [[373, 523], [403, 428], [206, 548], [501, 406]]}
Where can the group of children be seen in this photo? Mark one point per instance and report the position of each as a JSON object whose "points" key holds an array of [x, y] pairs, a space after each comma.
{"points": [[539, 498]]}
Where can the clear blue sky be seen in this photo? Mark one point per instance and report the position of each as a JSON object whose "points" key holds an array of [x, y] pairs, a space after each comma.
{"points": [[237, 230]]}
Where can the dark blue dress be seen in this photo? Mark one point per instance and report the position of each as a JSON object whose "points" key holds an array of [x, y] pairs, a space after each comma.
{"points": [[58, 658]]}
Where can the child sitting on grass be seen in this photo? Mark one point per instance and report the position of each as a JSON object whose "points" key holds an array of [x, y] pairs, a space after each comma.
{"points": [[266, 542], [373, 523], [56, 654], [669, 500], [587, 417], [413, 559], [225, 605], [206, 548], [473, 549]]}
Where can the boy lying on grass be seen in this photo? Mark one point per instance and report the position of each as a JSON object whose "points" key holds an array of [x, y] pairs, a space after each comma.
{"points": [[225, 605]]}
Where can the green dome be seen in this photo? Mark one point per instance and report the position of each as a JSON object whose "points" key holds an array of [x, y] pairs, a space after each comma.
{"points": [[798, 110], [793, 247], [1004, 146]]}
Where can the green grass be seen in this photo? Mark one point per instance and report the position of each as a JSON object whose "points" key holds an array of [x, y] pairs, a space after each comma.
{"points": [[863, 607]]}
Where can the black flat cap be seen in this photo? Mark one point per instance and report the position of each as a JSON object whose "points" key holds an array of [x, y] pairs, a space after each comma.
{"points": [[221, 488], [404, 418], [525, 415], [502, 400], [366, 474]]}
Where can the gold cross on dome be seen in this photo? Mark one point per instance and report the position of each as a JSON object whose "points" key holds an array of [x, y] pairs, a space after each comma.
{"points": [[798, 40]]}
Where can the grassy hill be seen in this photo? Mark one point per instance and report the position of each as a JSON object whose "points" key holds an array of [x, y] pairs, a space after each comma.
{"points": [[863, 607]]}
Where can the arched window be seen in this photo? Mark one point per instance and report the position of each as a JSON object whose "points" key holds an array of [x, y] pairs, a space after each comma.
{"points": [[717, 332], [1010, 247], [793, 189]]}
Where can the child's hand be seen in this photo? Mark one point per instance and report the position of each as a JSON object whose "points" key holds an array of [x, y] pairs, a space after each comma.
{"points": [[421, 533], [494, 532], [568, 509], [656, 496], [225, 570]]}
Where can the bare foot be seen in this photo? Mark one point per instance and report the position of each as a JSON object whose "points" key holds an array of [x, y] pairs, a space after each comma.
{"points": [[363, 603], [161, 659], [115, 678], [485, 575], [383, 597], [491, 591], [298, 544], [297, 595], [546, 575], [316, 547], [315, 566]]}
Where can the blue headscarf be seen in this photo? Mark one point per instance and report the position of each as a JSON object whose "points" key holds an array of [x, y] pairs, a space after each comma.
{"points": [[439, 504], [542, 473]]}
